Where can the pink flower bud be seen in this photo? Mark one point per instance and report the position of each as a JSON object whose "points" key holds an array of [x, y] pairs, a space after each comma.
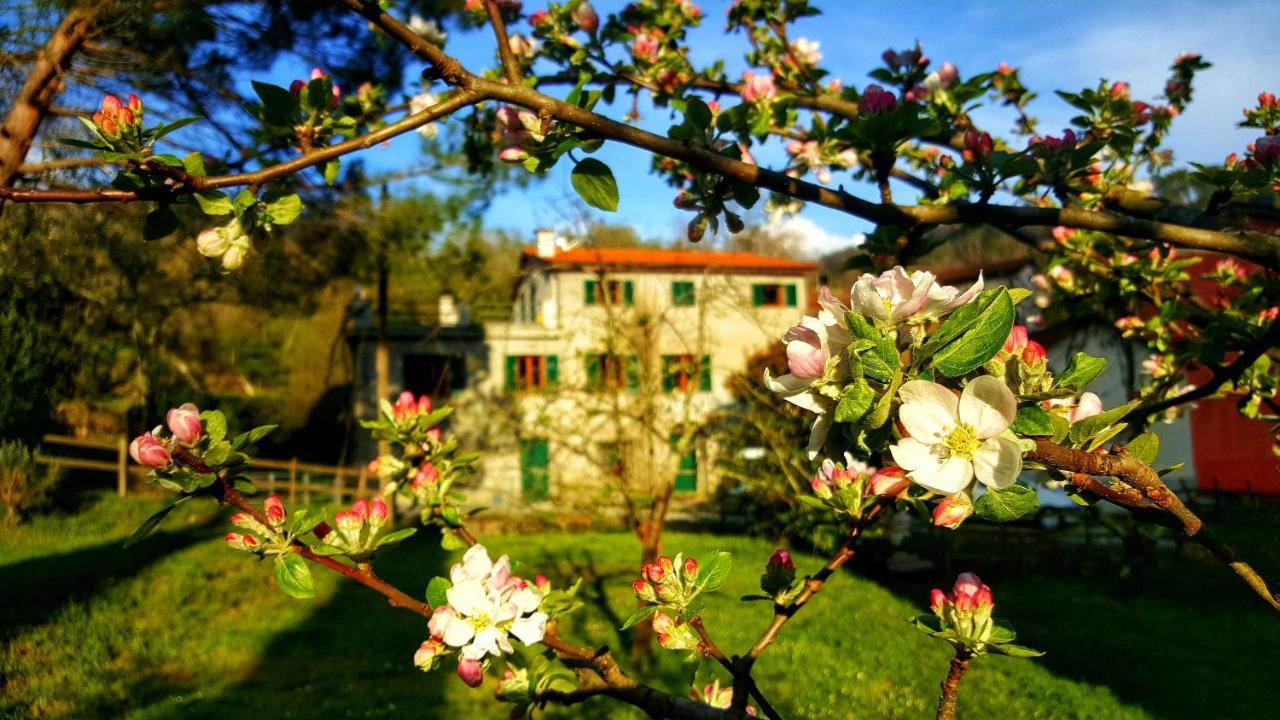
{"points": [[662, 623], [967, 583], [983, 598], [513, 154], [948, 74], [427, 473], [275, 509], [149, 451], [952, 511], [426, 655], [434, 434], [806, 356], [889, 481], [439, 620], [539, 18], [977, 144], [757, 87], [964, 603], [471, 672], [1017, 339], [876, 100], [664, 562], [542, 583], [586, 18], [690, 568], [937, 600], [347, 521], [296, 86], [1034, 353], [405, 405], [1119, 90], [378, 510], [110, 105], [654, 572], [781, 559], [360, 509], [822, 487], [1088, 406], [184, 423], [642, 589]]}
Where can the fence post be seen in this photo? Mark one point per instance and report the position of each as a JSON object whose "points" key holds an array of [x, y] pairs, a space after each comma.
{"points": [[122, 465], [293, 479], [338, 488], [306, 487], [271, 483], [362, 483]]}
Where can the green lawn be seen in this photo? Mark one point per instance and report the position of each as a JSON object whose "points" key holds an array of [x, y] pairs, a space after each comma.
{"points": [[181, 627]]}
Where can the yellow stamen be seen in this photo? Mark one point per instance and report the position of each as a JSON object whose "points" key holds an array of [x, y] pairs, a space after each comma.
{"points": [[962, 442]]}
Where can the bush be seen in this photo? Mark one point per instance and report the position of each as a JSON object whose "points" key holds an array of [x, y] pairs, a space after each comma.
{"points": [[24, 485]]}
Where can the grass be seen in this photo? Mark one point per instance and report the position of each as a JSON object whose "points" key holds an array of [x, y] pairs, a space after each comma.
{"points": [[180, 627]]}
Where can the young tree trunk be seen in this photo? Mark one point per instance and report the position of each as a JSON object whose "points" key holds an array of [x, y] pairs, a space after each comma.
{"points": [[43, 82]]}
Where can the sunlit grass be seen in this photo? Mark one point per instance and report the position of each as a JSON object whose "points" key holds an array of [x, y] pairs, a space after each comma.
{"points": [[181, 627]]}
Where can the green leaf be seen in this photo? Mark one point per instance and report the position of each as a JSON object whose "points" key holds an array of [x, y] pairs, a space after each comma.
{"points": [[714, 571], [437, 592], [244, 486], [981, 341], [1002, 632], [956, 323], [215, 424], [639, 615], [1014, 650], [331, 169], [305, 520], [1018, 294], [149, 525], [214, 203], [693, 610], [284, 210], [217, 453], [1084, 429], [1145, 447], [245, 199], [697, 113], [1005, 505], [450, 541], [252, 436], [160, 223], [162, 130], [1081, 370], [193, 163], [278, 104], [855, 401], [1032, 420], [594, 182], [882, 361], [397, 536], [929, 625], [82, 144], [294, 577]]}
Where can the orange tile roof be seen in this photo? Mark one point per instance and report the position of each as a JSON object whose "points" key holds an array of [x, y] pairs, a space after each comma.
{"points": [[650, 258]]}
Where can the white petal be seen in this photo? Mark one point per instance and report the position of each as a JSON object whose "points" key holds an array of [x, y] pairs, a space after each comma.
{"points": [[531, 629], [526, 600], [915, 455], [486, 643], [458, 632], [928, 410], [476, 563], [987, 405], [818, 435], [867, 301], [786, 385], [998, 462], [468, 598], [954, 475]]}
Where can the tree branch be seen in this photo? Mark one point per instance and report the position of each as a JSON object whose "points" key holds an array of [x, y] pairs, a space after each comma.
{"points": [[1147, 496], [1222, 375], [510, 67]]}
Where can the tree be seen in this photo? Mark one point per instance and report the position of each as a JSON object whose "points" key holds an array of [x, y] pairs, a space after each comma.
{"points": [[971, 391]]}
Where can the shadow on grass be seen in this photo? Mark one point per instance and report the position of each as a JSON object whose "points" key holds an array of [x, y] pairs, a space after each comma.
{"points": [[1175, 633], [36, 589], [351, 657]]}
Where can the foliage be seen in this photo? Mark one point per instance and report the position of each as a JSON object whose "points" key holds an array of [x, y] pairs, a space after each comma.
{"points": [[24, 484]]}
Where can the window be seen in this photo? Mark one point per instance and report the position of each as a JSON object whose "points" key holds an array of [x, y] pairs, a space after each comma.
{"points": [[687, 471], [773, 295], [535, 478], [682, 293], [609, 371], [529, 372], [434, 375], [610, 292], [680, 371]]}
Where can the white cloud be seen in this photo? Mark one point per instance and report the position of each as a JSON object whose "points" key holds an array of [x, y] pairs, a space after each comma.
{"points": [[809, 238]]}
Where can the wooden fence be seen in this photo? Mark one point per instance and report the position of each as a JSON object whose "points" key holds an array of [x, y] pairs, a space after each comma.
{"points": [[299, 481]]}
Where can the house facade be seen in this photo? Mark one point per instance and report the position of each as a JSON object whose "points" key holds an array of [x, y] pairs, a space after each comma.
{"points": [[610, 364]]}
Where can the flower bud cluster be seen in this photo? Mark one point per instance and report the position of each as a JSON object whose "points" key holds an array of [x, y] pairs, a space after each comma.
{"points": [[520, 133], [966, 610], [355, 531], [1022, 363], [716, 696], [120, 124], [182, 428], [668, 583], [260, 537], [228, 243], [779, 578], [852, 487], [673, 634]]}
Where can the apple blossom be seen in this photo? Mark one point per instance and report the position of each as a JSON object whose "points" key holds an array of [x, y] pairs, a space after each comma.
{"points": [[148, 450], [757, 87], [229, 243], [419, 103], [876, 100], [894, 298], [951, 440], [645, 46], [488, 606], [952, 511], [815, 339], [184, 423], [806, 52], [889, 482], [586, 18]]}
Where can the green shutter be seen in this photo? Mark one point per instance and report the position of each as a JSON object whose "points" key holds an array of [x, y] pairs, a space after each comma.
{"points": [[553, 370], [628, 292], [682, 293], [534, 475], [791, 295], [512, 367], [757, 295], [589, 292], [632, 371], [687, 473], [668, 373], [593, 371], [705, 380]]}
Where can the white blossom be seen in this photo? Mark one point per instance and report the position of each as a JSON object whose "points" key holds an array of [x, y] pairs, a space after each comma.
{"points": [[486, 606], [953, 439], [893, 298]]}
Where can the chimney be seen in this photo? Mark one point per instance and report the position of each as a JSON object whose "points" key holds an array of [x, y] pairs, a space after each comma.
{"points": [[545, 239], [448, 309]]}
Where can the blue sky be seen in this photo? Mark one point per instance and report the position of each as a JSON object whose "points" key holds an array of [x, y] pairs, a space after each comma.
{"points": [[1057, 46]]}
